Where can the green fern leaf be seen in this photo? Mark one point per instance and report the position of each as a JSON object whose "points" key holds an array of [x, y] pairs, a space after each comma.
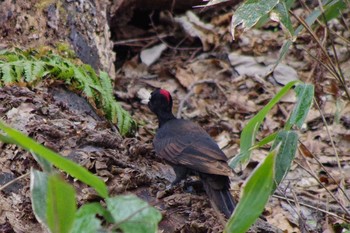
{"points": [[38, 70], [28, 74], [66, 73], [11, 57], [115, 111], [107, 95], [106, 84], [19, 72], [83, 82], [8, 75], [128, 123], [90, 72], [29, 65]]}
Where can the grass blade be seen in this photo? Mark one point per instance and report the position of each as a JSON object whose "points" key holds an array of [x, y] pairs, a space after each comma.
{"points": [[62, 163], [249, 132], [61, 205], [256, 192], [288, 141], [305, 95]]}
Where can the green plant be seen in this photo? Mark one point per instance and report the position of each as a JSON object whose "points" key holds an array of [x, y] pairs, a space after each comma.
{"points": [[266, 177], [30, 67], [256, 13], [59, 213], [251, 13]]}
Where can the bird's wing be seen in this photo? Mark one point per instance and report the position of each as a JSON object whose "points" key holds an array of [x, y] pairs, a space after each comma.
{"points": [[196, 152]]}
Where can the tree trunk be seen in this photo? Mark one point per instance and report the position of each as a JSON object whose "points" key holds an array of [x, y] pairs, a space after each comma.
{"points": [[81, 24]]}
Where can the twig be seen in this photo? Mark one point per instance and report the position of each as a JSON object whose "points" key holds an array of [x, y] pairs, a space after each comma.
{"points": [[340, 72], [13, 181], [301, 220], [320, 183], [325, 169], [326, 66], [331, 139], [325, 53], [122, 42], [312, 206], [167, 44], [190, 92], [295, 201]]}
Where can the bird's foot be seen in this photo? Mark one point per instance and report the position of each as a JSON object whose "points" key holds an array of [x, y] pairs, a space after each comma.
{"points": [[192, 185], [169, 189]]}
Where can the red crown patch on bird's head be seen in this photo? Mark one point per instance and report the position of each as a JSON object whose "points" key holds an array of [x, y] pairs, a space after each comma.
{"points": [[166, 94]]}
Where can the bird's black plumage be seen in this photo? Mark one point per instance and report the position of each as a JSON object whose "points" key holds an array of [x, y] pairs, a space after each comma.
{"points": [[188, 147]]}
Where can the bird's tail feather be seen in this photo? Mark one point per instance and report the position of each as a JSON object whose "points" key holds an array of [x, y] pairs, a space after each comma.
{"points": [[221, 199]]}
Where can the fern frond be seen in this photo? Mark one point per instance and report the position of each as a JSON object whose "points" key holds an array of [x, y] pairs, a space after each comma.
{"points": [[31, 65], [106, 83], [107, 95], [83, 82], [19, 72], [28, 74], [91, 73], [126, 124], [7, 72], [113, 109], [65, 73], [38, 70]]}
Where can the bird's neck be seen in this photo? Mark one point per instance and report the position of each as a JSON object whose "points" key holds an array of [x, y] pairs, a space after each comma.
{"points": [[164, 117]]}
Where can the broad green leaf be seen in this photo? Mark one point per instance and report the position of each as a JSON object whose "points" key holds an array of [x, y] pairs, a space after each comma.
{"points": [[38, 69], [249, 13], [333, 9], [7, 140], [255, 194], [28, 73], [309, 21], [61, 205], [38, 190], [287, 142], [44, 164], [57, 160], [7, 74], [289, 3], [86, 220], [283, 17], [248, 134], [132, 214], [264, 141], [305, 95]]}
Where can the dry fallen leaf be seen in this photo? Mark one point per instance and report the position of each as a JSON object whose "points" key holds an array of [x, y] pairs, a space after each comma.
{"points": [[151, 55], [284, 74], [19, 117], [196, 28]]}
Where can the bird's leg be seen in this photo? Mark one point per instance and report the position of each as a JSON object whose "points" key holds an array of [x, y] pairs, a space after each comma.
{"points": [[181, 173], [194, 185]]}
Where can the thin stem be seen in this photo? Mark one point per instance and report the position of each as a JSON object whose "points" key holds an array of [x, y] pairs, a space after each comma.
{"points": [[311, 207], [13, 181]]}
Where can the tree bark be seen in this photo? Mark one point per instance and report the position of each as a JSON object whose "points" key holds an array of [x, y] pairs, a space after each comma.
{"points": [[81, 24]]}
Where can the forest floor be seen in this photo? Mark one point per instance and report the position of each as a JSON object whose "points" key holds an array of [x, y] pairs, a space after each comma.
{"points": [[216, 82]]}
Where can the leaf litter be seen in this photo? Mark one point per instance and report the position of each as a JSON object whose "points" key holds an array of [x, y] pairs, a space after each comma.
{"points": [[219, 93]]}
